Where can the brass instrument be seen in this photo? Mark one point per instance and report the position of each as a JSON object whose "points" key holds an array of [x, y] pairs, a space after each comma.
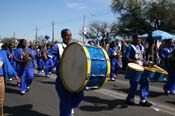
{"points": [[44, 54], [27, 58]]}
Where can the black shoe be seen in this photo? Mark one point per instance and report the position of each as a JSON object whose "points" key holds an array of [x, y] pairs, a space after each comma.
{"points": [[132, 103], [146, 104]]}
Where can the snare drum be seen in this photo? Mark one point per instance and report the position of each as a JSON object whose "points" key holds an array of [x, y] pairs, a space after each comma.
{"points": [[84, 65], [134, 71]]}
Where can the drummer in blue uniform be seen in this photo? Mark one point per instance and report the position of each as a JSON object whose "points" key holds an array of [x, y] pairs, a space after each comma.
{"points": [[5, 67], [134, 54], [113, 55], [68, 100], [167, 54], [24, 65]]}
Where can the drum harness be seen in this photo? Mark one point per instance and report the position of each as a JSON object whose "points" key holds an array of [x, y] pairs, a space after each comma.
{"points": [[138, 54]]}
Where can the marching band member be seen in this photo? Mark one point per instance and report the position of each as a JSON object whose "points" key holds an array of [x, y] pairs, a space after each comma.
{"points": [[47, 62], [167, 54], [24, 65], [39, 60], [5, 67], [68, 100], [134, 53], [113, 55]]}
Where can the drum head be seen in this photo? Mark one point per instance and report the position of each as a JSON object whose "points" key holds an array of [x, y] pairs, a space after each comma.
{"points": [[136, 67], [74, 67], [160, 70]]}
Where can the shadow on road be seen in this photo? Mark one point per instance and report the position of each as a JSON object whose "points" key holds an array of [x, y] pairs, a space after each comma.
{"points": [[48, 82], [12, 84], [24, 110], [171, 102], [10, 90], [151, 93], [99, 104]]}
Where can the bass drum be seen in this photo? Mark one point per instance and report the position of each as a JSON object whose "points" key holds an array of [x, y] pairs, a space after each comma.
{"points": [[84, 66]]}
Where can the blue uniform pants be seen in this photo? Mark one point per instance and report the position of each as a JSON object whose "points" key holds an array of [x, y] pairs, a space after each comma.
{"points": [[68, 100], [115, 67], [26, 78], [144, 87], [170, 85], [14, 67], [40, 64]]}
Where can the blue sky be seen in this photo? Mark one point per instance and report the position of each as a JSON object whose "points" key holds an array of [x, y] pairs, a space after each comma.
{"points": [[22, 16]]}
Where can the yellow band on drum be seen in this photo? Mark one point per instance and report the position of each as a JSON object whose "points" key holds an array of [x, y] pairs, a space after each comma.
{"points": [[108, 66]]}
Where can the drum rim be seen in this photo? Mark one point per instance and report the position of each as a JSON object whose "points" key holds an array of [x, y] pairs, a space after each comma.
{"points": [[88, 71], [108, 65], [140, 70]]}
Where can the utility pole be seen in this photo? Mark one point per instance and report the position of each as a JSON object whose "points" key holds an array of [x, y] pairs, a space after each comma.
{"points": [[14, 34], [53, 24], [36, 33], [84, 21]]}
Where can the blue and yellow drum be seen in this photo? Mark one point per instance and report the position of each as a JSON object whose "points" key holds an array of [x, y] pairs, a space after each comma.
{"points": [[134, 71], [84, 66]]}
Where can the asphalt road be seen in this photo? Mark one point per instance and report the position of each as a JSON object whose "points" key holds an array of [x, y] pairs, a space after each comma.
{"points": [[42, 100]]}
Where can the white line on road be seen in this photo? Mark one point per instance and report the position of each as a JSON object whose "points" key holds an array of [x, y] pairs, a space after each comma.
{"points": [[156, 106]]}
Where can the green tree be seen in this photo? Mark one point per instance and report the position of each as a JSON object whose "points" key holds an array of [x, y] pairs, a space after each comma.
{"points": [[144, 15]]}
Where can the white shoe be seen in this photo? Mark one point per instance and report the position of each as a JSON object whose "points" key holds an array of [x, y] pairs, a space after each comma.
{"points": [[54, 69], [72, 112], [112, 79], [28, 87], [10, 79], [22, 92], [47, 76], [42, 71]]}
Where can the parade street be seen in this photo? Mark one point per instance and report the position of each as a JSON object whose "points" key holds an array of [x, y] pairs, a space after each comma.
{"points": [[42, 100]]}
